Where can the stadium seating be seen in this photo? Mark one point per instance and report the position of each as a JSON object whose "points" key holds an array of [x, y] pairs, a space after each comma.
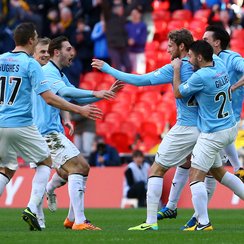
{"points": [[120, 141], [182, 14], [202, 15]]}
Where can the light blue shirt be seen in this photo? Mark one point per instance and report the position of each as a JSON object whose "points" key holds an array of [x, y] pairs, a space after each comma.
{"points": [[20, 74], [235, 67], [46, 117], [187, 110], [211, 86]]}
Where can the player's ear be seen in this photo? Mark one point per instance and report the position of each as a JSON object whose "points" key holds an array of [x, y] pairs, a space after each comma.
{"points": [[181, 46], [199, 58]]}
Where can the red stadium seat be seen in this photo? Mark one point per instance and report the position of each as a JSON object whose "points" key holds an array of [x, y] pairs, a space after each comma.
{"points": [[136, 117], [149, 142], [161, 30], [108, 78], [177, 24], [149, 128], [129, 128], [120, 107], [202, 15], [160, 5], [93, 76], [88, 85], [237, 43], [152, 46], [160, 120], [197, 28], [152, 97], [182, 14], [115, 118], [163, 15], [144, 107], [125, 96], [104, 105], [104, 129], [163, 58], [120, 141]]}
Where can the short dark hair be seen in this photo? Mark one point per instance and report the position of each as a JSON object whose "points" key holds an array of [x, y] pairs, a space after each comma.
{"points": [[219, 33], [181, 36], [203, 48], [56, 43], [137, 153], [23, 32]]}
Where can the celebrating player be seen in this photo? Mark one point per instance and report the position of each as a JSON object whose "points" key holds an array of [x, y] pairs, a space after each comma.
{"points": [[211, 86], [19, 75], [64, 153]]}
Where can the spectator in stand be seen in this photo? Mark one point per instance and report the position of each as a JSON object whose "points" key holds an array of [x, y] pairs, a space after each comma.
{"points": [[62, 26], [83, 44], [175, 5], [222, 16], [115, 19], [193, 5], [90, 11], [98, 36], [137, 37], [146, 9], [136, 176], [103, 154]]}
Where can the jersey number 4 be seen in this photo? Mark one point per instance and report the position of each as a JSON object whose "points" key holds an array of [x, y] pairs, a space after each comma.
{"points": [[13, 81]]}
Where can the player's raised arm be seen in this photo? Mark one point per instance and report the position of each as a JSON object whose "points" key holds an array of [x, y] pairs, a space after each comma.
{"points": [[176, 63], [238, 84]]}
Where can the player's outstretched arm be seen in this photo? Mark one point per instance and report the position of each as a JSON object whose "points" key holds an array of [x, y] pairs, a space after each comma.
{"points": [[103, 94], [132, 79], [88, 111], [238, 84], [72, 92]]}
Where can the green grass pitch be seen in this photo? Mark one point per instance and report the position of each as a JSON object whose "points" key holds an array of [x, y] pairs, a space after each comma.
{"points": [[228, 228]]}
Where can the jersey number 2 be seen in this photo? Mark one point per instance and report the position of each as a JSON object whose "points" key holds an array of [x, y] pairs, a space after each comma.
{"points": [[225, 96], [15, 81]]}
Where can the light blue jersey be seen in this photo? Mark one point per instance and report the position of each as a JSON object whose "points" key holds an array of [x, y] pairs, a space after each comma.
{"points": [[211, 86], [46, 117], [20, 74], [235, 67], [187, 110]]}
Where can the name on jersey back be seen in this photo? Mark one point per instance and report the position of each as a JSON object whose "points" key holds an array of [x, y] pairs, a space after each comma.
{"points": [[9, 67]]}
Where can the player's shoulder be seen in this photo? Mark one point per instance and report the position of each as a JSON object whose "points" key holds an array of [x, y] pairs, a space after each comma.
{"points": [[229, 53]]}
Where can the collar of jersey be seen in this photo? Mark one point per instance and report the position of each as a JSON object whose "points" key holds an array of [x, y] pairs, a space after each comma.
{"points": [[61, 73]]}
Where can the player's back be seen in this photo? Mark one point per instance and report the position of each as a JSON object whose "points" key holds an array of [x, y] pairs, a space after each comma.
{"points": [[215, 108], [235, 67], [18, 72]]}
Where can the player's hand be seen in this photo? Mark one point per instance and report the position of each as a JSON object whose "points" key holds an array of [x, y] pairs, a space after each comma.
{"points": [[91, 111], [106, 94], [117, 86], [70, 125], [176, 63], [97, 63]]}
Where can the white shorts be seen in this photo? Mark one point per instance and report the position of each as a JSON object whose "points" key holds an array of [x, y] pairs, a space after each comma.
{"points": [[176, 146], [62, 149], [205, 154], [26, 141]]}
